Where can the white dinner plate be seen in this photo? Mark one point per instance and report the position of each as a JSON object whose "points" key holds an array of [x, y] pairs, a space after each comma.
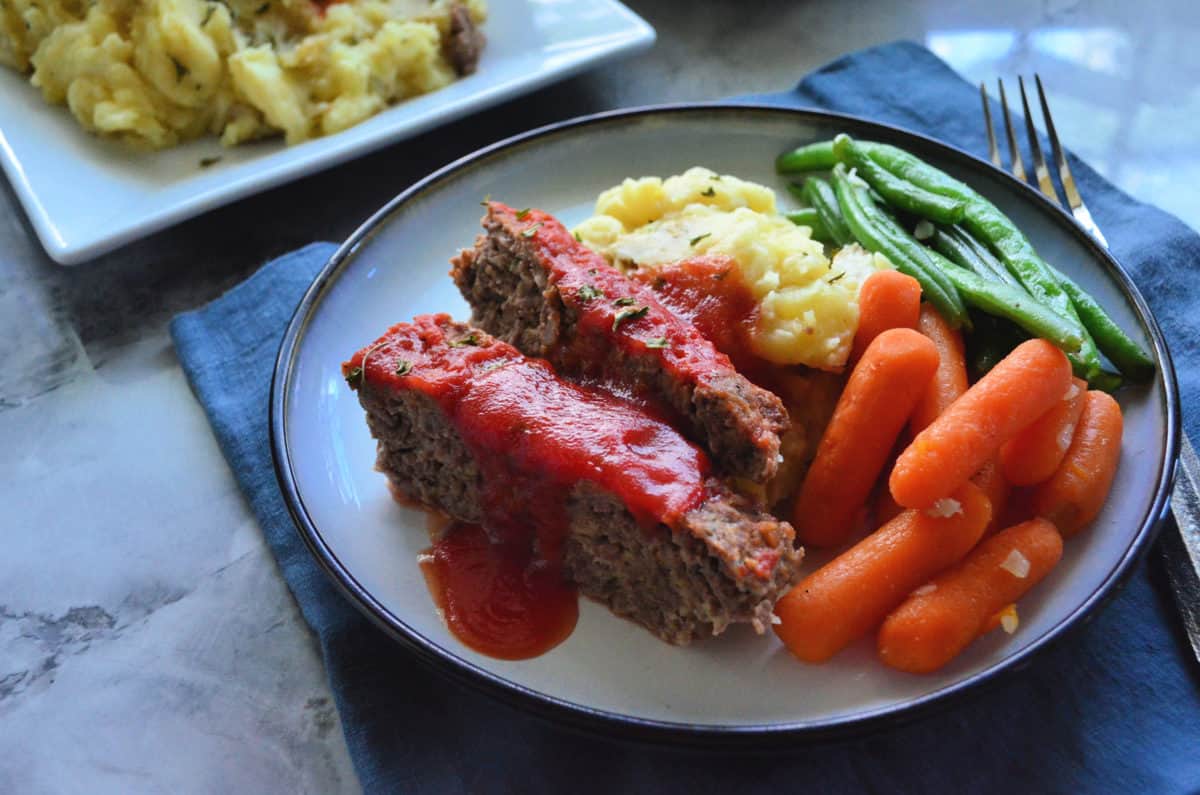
{"points": [[86, 196], [611, 671]]}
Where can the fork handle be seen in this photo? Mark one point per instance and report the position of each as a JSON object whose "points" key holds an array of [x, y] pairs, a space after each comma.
{"points": [[1181, 551]]}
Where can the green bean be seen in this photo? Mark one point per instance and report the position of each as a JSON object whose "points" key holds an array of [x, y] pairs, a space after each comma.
{"points": [[1018, 306], [993, 228], [896, 191], [812, 219], [955, 250], [851, 203], [1106, 381], [993, 339], [1114, 343], [984, 257], [813, 157], [900, 236], [822, 198]]}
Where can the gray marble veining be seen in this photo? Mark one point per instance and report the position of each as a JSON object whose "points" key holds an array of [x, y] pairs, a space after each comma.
{"points": [[147, 643]]}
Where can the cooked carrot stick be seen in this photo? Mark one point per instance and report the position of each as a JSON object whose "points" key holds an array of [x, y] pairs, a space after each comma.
{"points": [[990, 479], [1074, 494], [873, 407], [940, 619], [848, 597], [950, 381], [887, 299], [1019, 389], [1033, 454]]}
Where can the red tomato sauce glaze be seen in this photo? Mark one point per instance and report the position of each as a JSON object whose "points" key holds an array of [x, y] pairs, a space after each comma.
{"points": [[535, 437]]}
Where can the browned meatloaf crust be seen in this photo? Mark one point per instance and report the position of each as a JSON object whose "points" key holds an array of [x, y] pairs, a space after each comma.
{"points": [[724, 562], [530, 283]]}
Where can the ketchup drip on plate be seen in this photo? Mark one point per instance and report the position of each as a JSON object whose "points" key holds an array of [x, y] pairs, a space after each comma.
{"points": [[536, 439], [494, 598]]}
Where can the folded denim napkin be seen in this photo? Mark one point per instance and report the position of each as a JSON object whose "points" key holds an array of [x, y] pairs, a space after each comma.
{"points": [[1115, 707]]}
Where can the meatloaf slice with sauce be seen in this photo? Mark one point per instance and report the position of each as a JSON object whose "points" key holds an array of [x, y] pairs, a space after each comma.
{"points": [[530, 283], [624, 504]]}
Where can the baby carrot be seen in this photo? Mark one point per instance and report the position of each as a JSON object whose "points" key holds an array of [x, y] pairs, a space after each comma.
{"points": [[887, 299], [1033, 454], [950, 380], [990, 479], [872, 409], [940, 619], [1074, 494], [848, 597], [1019, 389]]}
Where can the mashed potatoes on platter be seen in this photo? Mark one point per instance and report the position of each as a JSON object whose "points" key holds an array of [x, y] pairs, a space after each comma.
{"points": [[156, 72], [808, 305]]}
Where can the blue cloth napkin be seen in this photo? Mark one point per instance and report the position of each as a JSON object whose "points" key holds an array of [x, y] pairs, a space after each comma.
{"points": [[1113, 708]]}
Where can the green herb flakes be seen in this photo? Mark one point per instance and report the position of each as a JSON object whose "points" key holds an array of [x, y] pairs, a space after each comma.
{"points": [[626, 301], [470, 339], [629, 314], [656, 342], [589, 293], [698, 238], [529, 232], [403, 367]]}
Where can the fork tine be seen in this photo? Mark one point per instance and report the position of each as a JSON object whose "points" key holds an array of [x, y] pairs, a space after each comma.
{"points": [[1040, 169], [1078, 209], [993, 149], [1018, 165]]}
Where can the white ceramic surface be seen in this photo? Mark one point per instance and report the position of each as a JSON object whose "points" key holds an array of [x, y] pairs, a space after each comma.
{"points": [[85, 196], [738, 680]]}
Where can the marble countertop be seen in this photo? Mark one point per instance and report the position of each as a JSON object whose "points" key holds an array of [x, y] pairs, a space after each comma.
{"points": [[147, 643]]}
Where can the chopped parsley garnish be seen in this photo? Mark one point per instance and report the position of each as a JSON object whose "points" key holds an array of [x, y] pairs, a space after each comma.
{"points": [[629, 314], [403, 367], [487, 199], [626, 301], [522, 213], [656, 342], [715, 177], [578, 238], [710, 191], [834, 279], [698, 238], [589, 293], [529, 232], [470, 339], [205, 162], [355, 377]]}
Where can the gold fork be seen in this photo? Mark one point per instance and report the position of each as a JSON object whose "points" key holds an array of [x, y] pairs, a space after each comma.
{"points": [[1181, 551]]}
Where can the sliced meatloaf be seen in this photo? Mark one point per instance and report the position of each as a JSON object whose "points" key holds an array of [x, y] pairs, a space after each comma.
{"points": [[530, 283], [469, 426]]}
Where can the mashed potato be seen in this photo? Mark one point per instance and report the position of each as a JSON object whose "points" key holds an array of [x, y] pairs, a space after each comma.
{"points": [[156, 72], [808, 306]]}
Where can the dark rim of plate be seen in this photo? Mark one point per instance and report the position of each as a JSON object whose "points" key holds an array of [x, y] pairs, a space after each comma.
{"points": [[582, 716]]}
